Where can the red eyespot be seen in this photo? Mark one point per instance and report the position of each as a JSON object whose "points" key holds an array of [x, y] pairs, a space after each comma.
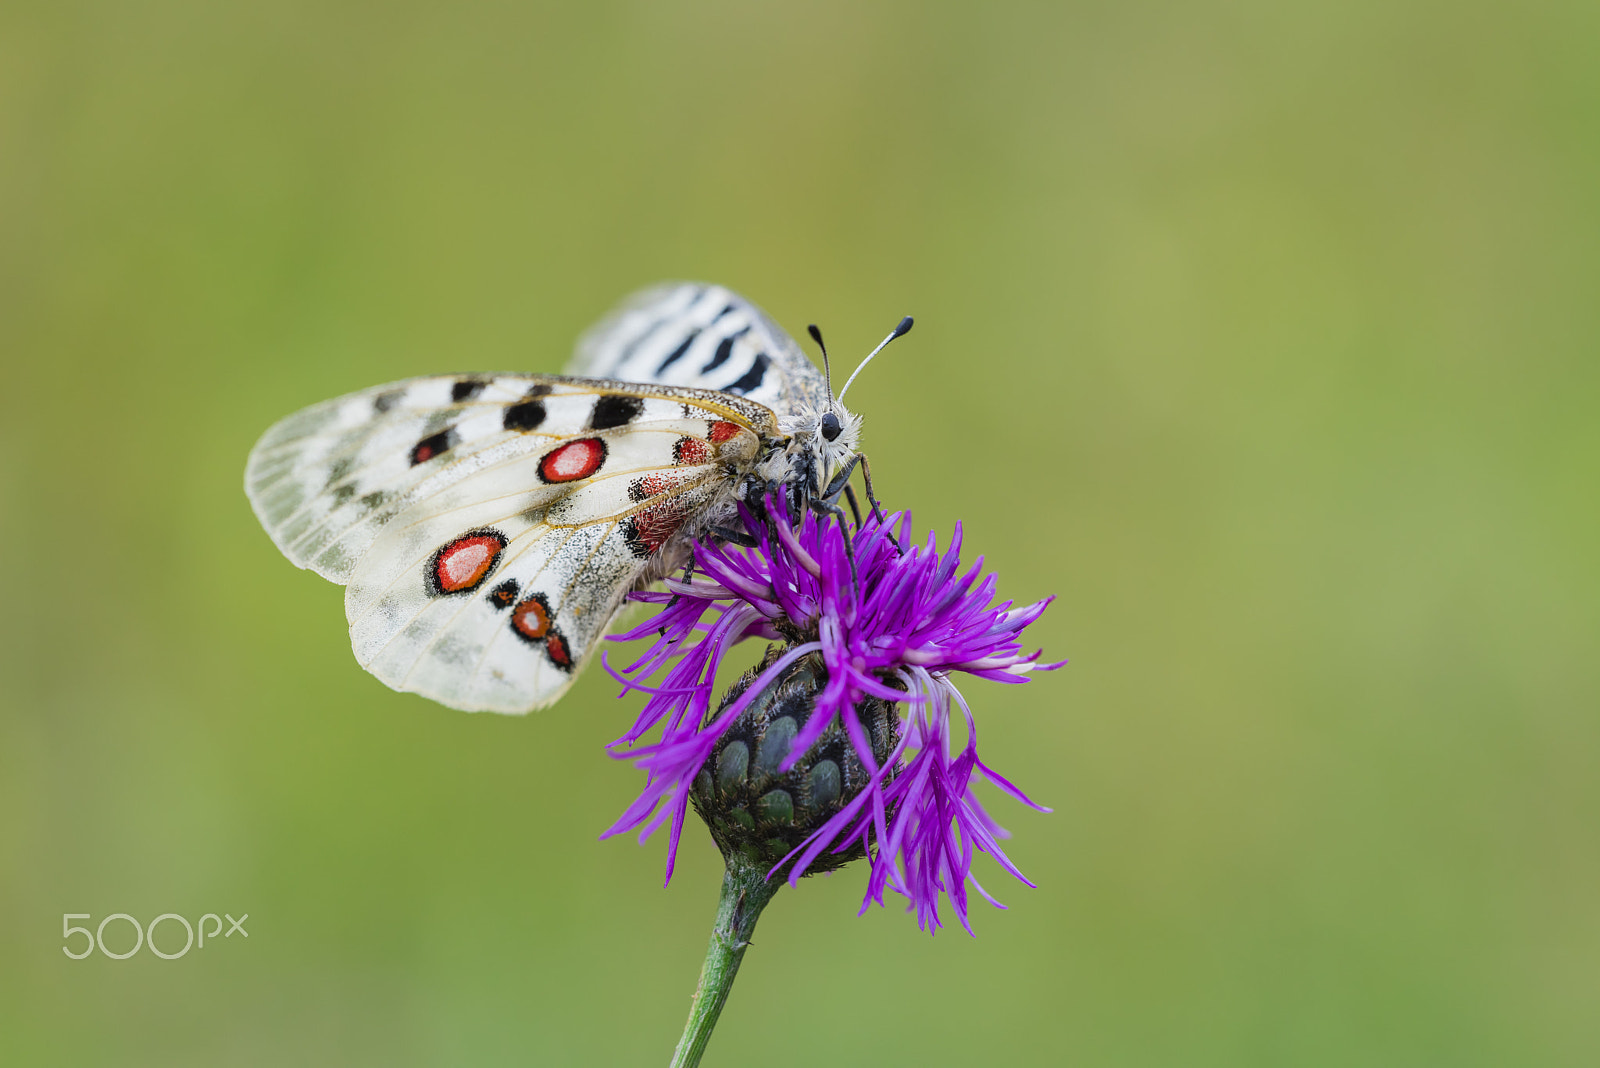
{"points": [[463, 563], [555, 647], [691, 452], [531, 618], [642, 489], [721, 431], [650, 529], [574, 460]]}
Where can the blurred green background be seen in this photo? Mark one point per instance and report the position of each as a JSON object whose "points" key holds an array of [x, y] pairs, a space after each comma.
{"points": [[1263, 335]]}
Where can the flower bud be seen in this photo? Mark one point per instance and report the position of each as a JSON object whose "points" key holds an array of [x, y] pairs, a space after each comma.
{"points": [[762, 815]]}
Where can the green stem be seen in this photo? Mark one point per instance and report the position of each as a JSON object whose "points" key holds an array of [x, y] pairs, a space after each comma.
{"points": [[745, 892]]}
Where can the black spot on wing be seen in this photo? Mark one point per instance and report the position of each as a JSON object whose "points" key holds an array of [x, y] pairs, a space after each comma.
{"points": [[386, 400], [538, 389], [724, 350], [344, 493], [524, 416], [677, 354], [751, 379], [504, 595], [636, 543], [433, 445], [466, 388], [615, 409]]}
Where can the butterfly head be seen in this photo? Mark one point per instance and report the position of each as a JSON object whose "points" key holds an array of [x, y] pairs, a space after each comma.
{"points": [[822, 443], [825, 441]]}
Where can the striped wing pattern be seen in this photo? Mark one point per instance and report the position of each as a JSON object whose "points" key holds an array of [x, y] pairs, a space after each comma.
{"points": [[703, 336], [488, 526]]}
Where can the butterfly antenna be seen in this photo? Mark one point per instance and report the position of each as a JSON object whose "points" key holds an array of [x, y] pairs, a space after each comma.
{"points": [[899, 331], [827, 373]]}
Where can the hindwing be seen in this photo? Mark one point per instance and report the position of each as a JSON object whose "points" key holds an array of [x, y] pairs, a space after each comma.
{"points": [[702, 336]]}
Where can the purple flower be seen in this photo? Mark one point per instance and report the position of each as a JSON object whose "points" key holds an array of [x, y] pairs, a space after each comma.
{"points": [[914, 621]]}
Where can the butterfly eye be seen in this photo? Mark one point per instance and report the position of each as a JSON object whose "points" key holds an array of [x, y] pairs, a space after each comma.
{"points": [[830, 426]]}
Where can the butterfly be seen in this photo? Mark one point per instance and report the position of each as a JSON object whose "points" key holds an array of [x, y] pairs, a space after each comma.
{"points": [[487, 527]]}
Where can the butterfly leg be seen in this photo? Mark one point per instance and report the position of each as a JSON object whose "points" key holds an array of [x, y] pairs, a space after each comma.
{"points": [[829, 508], [796, 499], [837, 486], [737, 537], [841, 484], [855, 508], [872, 499]]}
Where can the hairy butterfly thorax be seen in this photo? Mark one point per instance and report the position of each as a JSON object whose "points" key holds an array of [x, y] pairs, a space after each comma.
{"points": [[487, 526]]}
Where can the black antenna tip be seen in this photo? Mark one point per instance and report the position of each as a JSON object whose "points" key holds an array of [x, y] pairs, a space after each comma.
{"points": [[903, 329], [816, 335]]}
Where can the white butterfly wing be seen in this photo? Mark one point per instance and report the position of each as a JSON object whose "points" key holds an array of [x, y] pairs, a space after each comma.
{"points": [[489, 526], [701, 336]]}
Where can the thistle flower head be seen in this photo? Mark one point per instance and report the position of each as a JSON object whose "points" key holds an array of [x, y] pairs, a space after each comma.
{"points": [[761, 806], [894, 633]]}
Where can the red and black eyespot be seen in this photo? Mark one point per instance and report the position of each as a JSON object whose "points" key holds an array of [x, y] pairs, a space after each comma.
{"points": [[644, 487], [723, 431], [464, 562], [433, 445], [504, 595], [555, 647], [648, 530], [690, 452], [530, 620], [574, 460]]}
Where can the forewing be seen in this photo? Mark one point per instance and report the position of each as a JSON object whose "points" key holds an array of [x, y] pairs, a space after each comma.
{"points": [[327, 479], [489, 526], [704, 336]]}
